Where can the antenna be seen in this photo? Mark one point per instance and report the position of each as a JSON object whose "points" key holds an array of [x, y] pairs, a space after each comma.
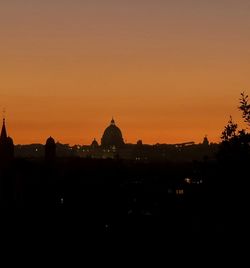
{"points": [[4, 113]]}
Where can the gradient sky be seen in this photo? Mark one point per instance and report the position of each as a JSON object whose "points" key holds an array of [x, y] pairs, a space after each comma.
{"points": [[168, 71]]}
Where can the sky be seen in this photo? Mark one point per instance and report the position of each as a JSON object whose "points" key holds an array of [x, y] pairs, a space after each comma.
{"points": [[168, 71]]}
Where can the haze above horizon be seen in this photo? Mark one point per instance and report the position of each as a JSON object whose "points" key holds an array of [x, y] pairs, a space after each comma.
{"points": [[168, 71]]}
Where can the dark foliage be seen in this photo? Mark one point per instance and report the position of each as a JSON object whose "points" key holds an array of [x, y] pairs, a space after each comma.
{"points": [[245, 107]]}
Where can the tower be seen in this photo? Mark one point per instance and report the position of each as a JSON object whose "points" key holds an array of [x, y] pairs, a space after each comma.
{"points": [[6, 145]]}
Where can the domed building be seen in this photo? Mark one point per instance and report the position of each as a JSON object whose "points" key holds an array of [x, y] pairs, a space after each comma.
{"points": [[94, 144], [50, 149], [112, 136]]}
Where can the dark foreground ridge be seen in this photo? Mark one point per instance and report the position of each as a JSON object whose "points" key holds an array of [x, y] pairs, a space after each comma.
{"points": [[124, 196]]}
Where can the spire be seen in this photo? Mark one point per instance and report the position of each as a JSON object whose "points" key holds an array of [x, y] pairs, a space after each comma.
{"points": [[112, 121], [3, 132]]}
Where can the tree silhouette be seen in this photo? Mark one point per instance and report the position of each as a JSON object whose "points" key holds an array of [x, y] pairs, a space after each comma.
{"points": [[229, 130], [245, 107], [235, 146]]}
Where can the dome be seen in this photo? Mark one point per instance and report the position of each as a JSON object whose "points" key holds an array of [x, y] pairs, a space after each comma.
{"points": [[50, 140], [112, 136], [94, 144], [139, 143], [205, 141], [50, 149]]}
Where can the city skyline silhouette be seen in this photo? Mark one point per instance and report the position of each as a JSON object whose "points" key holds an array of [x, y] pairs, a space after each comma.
{"points": [[109, 129], [125, 117]]}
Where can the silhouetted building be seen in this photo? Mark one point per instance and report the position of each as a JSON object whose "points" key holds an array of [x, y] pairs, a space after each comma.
{"points": [[50, 149], [6, 145], [112, 136], [205, 141], [94, 144], [139, 143]]}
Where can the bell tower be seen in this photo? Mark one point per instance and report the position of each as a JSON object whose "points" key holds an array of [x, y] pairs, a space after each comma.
{"points": [[6, 145]]}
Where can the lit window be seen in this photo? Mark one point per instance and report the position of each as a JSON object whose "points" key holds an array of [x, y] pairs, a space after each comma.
{"points": [[188, 180], [179, 191]]}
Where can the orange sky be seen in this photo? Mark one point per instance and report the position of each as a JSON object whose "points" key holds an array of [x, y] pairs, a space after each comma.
{"points": [[168, 71]]}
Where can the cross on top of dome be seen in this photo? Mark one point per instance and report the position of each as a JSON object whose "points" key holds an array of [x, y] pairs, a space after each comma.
{"points": [[112, 121]]}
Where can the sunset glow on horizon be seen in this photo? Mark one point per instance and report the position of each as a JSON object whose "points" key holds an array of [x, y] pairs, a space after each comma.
{"points": [[168, 71]]}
